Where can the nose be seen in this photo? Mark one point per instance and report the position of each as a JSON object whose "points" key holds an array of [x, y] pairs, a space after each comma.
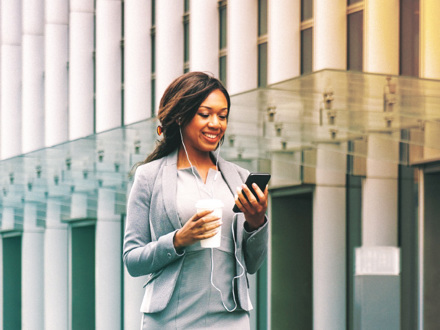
{"points": [[214, 122]]}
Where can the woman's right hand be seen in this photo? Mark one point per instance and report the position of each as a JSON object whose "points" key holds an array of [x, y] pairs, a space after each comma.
{"points": [[201, 225]]}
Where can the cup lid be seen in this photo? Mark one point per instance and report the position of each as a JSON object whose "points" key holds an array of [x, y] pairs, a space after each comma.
{"points": [[209, 204]]}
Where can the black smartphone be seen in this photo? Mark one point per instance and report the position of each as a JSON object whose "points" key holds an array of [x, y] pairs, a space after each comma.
{"points": [[261, 179]]}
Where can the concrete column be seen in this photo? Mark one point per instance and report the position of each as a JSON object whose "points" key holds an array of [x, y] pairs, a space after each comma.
{"points": [[133, 294], [204, 43], [329, 35], [81, 69], [108, 263], [108, 64], [137, 60], [381, 24], [169, 45], [56, 77], [379, 194], [283, 40], [242, 59], [329, 242], [33, 82], [32, 304], [56, 260], [429, 45], [10, 121]]}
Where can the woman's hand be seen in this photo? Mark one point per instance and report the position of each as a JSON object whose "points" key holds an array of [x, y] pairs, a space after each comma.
{"points": [[253, 209], [201, 225]]}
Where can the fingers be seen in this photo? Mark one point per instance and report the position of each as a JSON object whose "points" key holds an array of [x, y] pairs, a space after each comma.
{"points": [[248, 202]]}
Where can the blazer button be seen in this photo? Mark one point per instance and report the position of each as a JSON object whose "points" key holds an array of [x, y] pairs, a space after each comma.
{"points": [[169, 255]]}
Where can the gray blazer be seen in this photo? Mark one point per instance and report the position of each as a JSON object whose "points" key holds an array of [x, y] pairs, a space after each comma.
{"points": [[152, 221]]}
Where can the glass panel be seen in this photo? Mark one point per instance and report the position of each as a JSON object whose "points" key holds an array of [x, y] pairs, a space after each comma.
{"points": [[153, 12], [222, 70], [306, 51], [186, 5], [262, 17], [223, 27], [262, 65], [153, 53], [355, 48], [350, 2], [153, 97], [409, 37], [306, 9]]}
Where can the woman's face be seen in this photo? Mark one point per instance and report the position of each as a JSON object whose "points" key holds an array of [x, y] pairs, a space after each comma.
{"points": [[205, 130]]}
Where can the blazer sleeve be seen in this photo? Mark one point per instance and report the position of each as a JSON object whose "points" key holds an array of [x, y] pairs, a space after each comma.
{"points": [[255, 247], [142, 253]]}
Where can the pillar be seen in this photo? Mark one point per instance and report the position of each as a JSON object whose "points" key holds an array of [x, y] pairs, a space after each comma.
{"points": [[108, 64], [56, 252], [381, 24], [379, 195], [108, 262], [330, 35], [137, 60], [284, 39], [429, 45], [242, 70], [10, 121], [32, 270], [56, 78], [204, 43], [329, 241], [81, 69], [169, 45], [33, 82]]}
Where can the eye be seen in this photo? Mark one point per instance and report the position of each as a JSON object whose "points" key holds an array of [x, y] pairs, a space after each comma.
{"points": [[203, 115]]}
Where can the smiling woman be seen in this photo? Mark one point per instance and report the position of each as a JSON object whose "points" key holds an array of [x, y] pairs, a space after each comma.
{"points": [[189, 286]]}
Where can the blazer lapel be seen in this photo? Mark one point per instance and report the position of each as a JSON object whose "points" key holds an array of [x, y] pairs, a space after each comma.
{"points": [[169, 189], [230, 174]]}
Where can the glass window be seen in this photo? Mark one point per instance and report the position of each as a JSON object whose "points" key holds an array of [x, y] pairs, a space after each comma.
{"points": [[262, 65], [222, 69], [355, 48], [306, 50], [153, 52], [186, 41], [153, 97], [223, 26], [153, 12], [350, 2], [409, 37], [186, 5], [306, 9], [262, 17]]}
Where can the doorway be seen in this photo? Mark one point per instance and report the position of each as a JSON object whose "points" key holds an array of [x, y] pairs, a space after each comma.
{"points": [[292, 259]]}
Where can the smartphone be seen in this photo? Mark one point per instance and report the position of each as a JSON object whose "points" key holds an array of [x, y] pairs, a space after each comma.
{"points": [[261, 179]]}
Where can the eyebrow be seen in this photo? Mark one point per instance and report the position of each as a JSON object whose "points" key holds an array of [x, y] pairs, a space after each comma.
{"points": [[209, 108]]}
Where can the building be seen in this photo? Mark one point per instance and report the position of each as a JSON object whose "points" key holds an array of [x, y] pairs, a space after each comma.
{"points": [[339, 100]]}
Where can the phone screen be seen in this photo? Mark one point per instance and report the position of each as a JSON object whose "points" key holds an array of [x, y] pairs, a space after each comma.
{"points": [[261, 179]]}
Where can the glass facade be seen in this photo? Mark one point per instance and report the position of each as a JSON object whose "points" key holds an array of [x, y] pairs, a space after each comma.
{"points": [[355, 37]]}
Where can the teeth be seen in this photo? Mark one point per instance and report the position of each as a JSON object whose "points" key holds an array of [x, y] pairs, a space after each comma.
{"points": [[212, 136]]}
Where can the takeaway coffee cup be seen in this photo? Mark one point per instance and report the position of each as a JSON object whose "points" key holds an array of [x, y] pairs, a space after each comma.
{"points": [[217, 206]]}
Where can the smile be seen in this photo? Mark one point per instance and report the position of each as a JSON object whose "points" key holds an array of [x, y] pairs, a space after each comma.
{"points": [[211, 136]]}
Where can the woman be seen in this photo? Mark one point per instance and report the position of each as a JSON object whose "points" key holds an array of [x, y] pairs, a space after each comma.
{"points": [[191, 287]]}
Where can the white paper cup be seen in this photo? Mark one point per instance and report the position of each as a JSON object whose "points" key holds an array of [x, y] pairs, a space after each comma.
{"points": [[217, 206]]}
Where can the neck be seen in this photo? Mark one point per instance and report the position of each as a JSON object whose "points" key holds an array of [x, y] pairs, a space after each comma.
{"points": [[201, 160]]}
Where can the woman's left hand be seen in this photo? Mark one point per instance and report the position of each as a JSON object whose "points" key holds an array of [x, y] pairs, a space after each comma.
{"points": [[253, 209]]}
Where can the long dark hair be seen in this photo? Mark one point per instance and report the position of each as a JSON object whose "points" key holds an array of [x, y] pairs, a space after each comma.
{"points": [[178, 106]]}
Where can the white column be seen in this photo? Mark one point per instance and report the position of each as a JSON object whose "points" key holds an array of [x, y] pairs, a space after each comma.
{"points": [[56, 287], [283, 40], [32, 283], [56, 77], [329, 242], [137, 60], [108, 263], [108, 64], [169, 44], [379, 194], [242, 70], [329, 34], [133, 294], [204, 43], [10, 121], [429, 44], [33, 84], [381, 24], [81, 68]]}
